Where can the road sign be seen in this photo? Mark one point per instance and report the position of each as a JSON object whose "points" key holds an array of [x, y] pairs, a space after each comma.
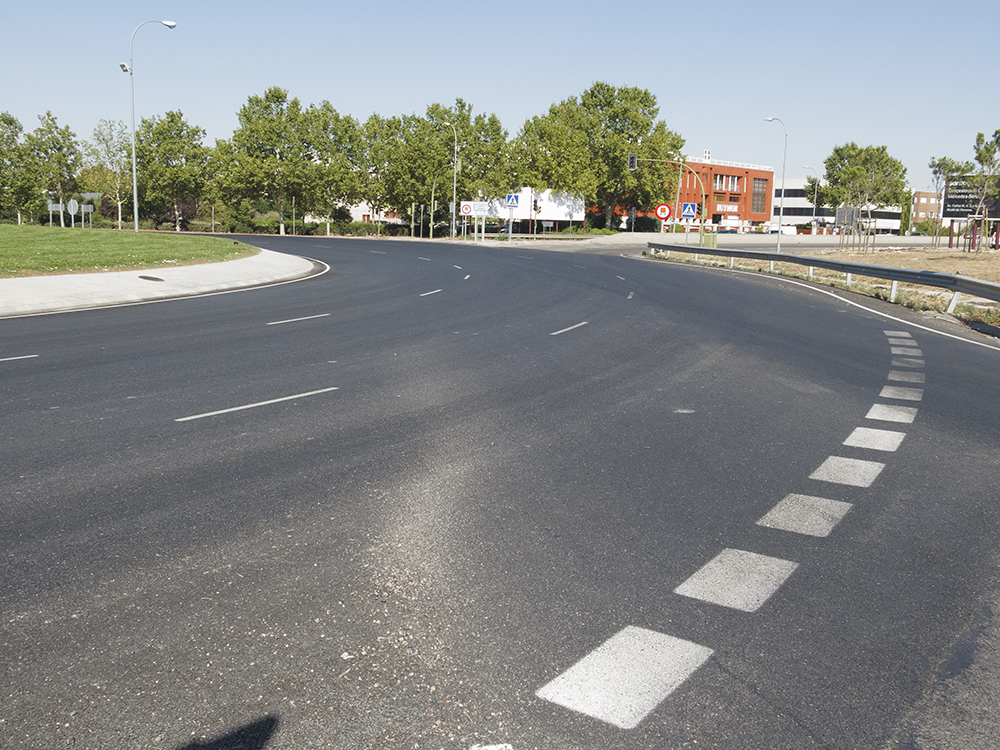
{"points": [[689, 210], [512, 200], [73, 206], [466, 208], [663, 211]]}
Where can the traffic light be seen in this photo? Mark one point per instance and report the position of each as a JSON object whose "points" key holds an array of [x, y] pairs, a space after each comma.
{"points": [[633, 162], [699, 209]]}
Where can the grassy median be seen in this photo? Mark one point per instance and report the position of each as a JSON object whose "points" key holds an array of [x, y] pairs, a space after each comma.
{"points": [[33, 251]]}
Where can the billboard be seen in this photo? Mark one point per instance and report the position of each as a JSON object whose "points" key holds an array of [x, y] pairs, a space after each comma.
{"points": [[961, 199]]}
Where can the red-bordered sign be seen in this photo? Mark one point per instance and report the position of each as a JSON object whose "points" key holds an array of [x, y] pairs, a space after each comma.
{"points": [[663, 211]]}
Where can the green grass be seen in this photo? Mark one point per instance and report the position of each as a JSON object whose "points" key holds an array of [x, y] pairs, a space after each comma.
{"points": [[30, 250]]}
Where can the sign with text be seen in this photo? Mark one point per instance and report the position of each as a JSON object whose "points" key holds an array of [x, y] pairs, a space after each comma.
{"points": [[961, 199]]}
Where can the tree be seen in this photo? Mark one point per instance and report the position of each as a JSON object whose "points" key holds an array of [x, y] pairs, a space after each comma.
{"points": [[272, 154], [51, 160], [582, 146], [379, 156], [984, 179], [107, 158], [11, 156], [944, 170], [338, 158], [172, 163], [863, 179]]}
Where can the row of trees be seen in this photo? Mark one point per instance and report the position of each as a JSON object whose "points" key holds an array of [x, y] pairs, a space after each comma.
{"points": [[981, 176], [285, 154]]}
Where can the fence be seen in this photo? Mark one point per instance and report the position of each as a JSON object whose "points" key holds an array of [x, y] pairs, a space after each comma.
{"points": [[956, 283]]}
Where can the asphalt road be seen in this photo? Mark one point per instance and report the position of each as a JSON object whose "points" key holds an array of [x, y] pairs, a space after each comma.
{"points": [[454, 497]]}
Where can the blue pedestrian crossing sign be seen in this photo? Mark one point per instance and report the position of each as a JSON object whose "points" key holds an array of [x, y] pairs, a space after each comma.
{"points": [[512, 200], [689, 210]]}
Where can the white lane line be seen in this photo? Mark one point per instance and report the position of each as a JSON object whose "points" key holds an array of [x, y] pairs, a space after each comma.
{"points": [[890, 413], [254, 406], [876, 440], [467, 277], [296, 320], [427, 259], [524, 257], [737, 579], [900, 334], [902, 394], [458, 267], [631, 295], [907, 377], [626, 677], [621, 278], [556, 333], [377, 252], [901, 342], [428, 294], [23, 356], [804, 514], [908, 363], [906, 351], [850, 471]]}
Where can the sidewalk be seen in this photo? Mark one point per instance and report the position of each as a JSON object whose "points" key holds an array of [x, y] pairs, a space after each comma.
{"points": [[44, 294]]}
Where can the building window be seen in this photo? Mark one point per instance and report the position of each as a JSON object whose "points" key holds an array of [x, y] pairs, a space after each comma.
{"points": [[734, 183], [759, 199], [719, 182]]}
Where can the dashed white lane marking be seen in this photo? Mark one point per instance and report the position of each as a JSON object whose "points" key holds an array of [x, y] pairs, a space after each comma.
{"points": [[467, 277], [850, 471], [458, 267], [737, 579], [631, 295], [889, 413], [906, 351], [428, 294], [626, 677], [876, 440], [620, 278], [23, 356], [898, 376], [377, 252], [556, 333], [907, 362], [427, 259], [902, 394], [296, 320], [525, 257], [803, 514], [901, 342], [254, 406], [899, 334]]}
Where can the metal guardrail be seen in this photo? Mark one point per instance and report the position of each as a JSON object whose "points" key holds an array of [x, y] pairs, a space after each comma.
{"points": [[957, 283]]}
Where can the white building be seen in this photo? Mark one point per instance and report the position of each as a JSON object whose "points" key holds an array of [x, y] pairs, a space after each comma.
{"points": [[798, 209]]}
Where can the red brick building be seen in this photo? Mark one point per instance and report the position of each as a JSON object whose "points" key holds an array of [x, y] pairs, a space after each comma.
{"points": [[738, 196]]}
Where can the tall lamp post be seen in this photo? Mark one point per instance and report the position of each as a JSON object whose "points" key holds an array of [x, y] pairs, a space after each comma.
{"points": [[454, 182], [781, 203], [131, 88], [815, 197]]}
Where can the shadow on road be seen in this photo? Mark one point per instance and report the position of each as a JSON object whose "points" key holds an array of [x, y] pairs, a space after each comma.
{"points": [[253, 736]]}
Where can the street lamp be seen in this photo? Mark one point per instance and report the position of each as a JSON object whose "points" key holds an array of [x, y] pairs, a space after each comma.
{"points": [[815, 197], [781, 203], [454, 182], [131, 88]]}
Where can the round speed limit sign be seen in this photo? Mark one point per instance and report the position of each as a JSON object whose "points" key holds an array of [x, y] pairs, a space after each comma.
{"points": [[663, 211]]}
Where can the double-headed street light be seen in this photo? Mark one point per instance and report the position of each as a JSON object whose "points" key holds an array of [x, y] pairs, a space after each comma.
{"points": [[454, 182], [131, 87], [781, 204]]}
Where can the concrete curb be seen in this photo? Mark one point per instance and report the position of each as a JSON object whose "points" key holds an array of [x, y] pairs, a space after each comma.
{"points": [[37, 295]]}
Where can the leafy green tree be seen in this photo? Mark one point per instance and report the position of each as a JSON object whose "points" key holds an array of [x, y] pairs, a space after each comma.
{"points": [[582, 145], [984, 180], [272, 156], [172, 162], [379, 160], [944, 170], [337, 141], [51, 162], [11, 157], [862, 178], [107, 157]]}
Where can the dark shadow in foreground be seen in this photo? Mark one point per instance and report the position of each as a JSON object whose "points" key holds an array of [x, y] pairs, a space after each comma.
{"points": [[250, 737]]}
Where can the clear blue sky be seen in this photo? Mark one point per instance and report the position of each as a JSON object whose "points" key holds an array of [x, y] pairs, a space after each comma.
{"points": [[918, 77]]}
